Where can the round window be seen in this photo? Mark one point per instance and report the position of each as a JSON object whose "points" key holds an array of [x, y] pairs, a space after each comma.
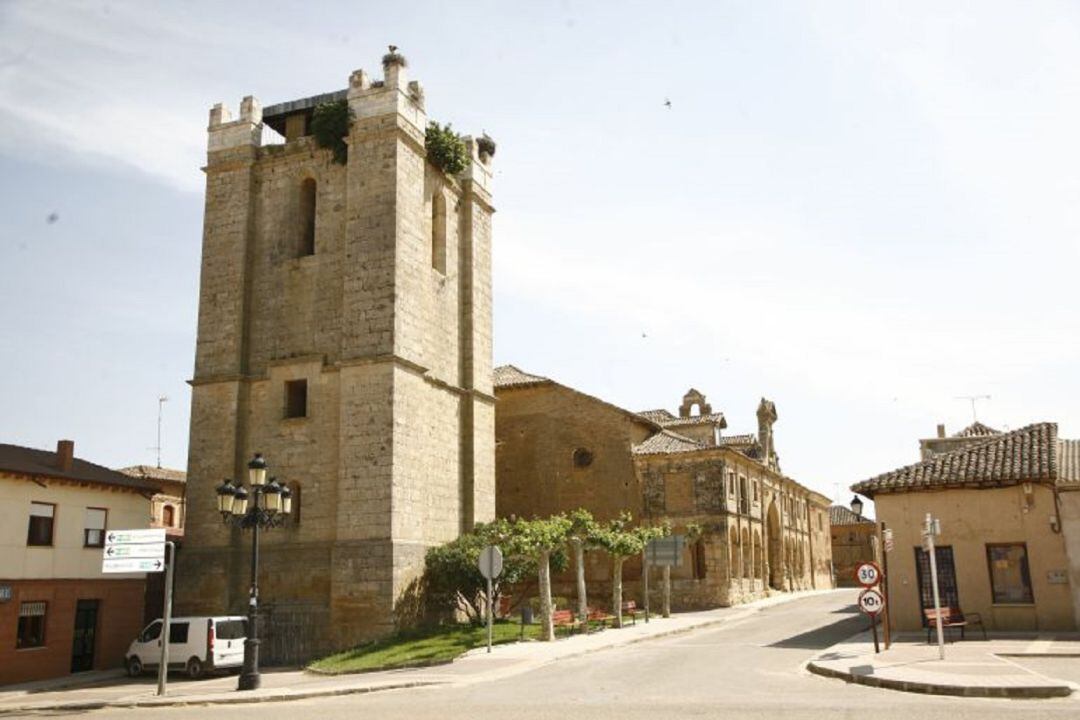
{"points": [[582, 458]]}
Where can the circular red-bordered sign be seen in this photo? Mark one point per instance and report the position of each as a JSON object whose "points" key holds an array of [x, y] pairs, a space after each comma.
{"points": [[868, 574], [871, 601]]}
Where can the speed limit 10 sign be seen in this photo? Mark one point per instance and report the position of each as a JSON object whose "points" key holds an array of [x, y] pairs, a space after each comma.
{"points": [[871, 601], [868, 574]]}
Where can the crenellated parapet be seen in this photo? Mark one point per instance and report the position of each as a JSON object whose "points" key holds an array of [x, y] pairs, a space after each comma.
{"points": [[225, 133]]}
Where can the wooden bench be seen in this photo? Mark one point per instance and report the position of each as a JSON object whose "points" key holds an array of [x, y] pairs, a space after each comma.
{"points": [[630, 608], [951, 618], [565, 619]]}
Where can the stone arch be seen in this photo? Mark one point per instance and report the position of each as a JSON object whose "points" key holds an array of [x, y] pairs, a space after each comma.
{"points": [[694, 400], [759, 559], [775, 541], [747, 553], [734, 554]]}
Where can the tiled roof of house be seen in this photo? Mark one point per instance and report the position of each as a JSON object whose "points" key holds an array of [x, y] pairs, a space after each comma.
{"points": [[748, 439], [510, 376], [977, 429], [1068, 457], [150, 472], [841, 515], [657, 416], [1027, 454], [665, 442], [43, 464], [711, 418]]}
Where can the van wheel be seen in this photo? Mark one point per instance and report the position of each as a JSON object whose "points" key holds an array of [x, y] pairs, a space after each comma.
{"points": [[194, 668], [134, 667]]}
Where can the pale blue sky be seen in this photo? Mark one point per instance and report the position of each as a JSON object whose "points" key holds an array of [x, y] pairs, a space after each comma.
{"points": [[858, 210]]}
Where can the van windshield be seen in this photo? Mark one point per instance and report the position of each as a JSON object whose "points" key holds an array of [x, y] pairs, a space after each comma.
{"points": [[231, 629], [152, 632]]}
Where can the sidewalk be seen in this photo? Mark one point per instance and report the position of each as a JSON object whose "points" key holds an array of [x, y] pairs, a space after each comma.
{"points": [[1006, 666], [279, 685]]}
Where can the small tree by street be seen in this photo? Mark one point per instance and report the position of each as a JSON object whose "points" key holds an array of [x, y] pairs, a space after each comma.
{"points": [[453, 578], [621, 541], [538, 540], [581, 536]]}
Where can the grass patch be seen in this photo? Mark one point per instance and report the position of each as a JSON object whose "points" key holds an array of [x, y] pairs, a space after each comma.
{"points": [[422, 647]]}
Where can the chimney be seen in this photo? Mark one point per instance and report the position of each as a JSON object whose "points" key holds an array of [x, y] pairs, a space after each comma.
{"points": [[941, 430], [65, 455]]}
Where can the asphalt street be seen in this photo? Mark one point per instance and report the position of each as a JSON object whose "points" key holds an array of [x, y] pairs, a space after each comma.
{"points": [[749, 668]]}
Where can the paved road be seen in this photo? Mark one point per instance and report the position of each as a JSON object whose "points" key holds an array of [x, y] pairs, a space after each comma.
{"points": [[752, 668]]}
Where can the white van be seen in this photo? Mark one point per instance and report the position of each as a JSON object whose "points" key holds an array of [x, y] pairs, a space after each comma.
{"points": [[196, 644]]}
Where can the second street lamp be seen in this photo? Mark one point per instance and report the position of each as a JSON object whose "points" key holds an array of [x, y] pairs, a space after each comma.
{"points": [[267, 505]]}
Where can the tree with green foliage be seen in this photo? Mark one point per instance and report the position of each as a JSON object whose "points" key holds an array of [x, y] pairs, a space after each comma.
{"points": [[453, 577], [621, 541], [581, 537], [446, 149], [539, 540], [330, 123]]}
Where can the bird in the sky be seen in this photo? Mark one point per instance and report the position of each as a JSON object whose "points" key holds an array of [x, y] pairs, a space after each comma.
{"points": [[667, 103], [52, 217]]}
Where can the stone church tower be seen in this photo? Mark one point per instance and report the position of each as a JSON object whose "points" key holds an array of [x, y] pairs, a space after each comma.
{"points": [[345, 333]]}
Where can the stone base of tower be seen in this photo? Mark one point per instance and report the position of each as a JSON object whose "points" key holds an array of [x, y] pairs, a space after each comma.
{"points": [[314, 599]]}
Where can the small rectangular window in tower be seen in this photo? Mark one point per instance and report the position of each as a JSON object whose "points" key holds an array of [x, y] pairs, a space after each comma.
{"points": [[295, 398], [307, 217], [438, 232]]}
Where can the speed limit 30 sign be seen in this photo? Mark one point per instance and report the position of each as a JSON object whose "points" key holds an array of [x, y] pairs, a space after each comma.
{"points": [[871, 601], [868, 574]]}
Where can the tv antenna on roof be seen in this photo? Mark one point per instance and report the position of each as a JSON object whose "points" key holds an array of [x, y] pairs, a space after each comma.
{"points": [[160, 405], [973, 399]]}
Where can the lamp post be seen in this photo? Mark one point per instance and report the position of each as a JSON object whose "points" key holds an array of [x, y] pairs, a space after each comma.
{"points": [[266, 505], [856, 506]]}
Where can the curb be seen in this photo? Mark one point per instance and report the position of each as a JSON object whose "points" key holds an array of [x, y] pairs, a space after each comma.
{"points": [[307, 694], [1016, 691], [203, 700]]}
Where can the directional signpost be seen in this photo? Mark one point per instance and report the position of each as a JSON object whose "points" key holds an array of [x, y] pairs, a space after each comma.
{"points": [[490, 563], [666, 552], [142, 551]]}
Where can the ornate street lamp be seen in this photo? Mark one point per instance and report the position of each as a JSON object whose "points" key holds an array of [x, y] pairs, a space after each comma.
{"points": [[856, 506], [244, 509]]}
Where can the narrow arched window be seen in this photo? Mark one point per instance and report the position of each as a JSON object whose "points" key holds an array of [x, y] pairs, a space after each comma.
{"points": [[438, 232], [307, 217], [168, 516]]}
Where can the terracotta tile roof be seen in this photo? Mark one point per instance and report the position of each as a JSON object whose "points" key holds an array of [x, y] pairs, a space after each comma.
{"points": [[712, 418], [1068, 457], [657, 416], [510, 376], [149, 472], [840, 515], [1027, 454], [17, 459], [665, 442], [977, 429], [748, 439]]}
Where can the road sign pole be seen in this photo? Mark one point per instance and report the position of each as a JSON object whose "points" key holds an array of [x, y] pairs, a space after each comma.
{"points": [[490, 613], [885, 586], [163, 666], [932, 552]]}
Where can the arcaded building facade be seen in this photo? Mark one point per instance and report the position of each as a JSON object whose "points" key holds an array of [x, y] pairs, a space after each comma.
{"points": [[559, 449], [345, 333]]}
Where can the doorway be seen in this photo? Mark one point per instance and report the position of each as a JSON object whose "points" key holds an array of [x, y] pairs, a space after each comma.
{"points": [[82, 646]]}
